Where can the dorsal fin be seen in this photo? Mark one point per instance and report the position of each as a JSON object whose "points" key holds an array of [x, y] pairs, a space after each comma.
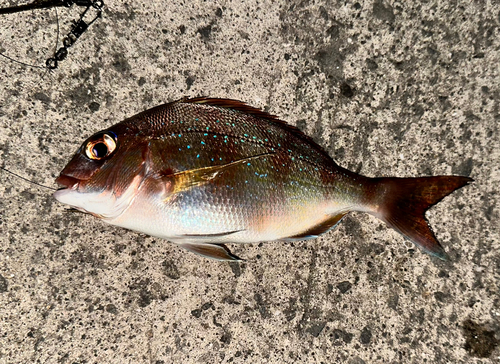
{"points": [[233, 105], [247, 109]]}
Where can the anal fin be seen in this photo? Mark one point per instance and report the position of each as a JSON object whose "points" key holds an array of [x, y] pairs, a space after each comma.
{"points": [[212, 251], [319, 229]]}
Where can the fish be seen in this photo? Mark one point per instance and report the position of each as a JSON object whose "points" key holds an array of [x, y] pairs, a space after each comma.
{"points": [[204, 172]]}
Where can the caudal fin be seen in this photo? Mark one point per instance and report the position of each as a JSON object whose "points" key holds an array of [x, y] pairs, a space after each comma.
{"points": [[401, 203]]}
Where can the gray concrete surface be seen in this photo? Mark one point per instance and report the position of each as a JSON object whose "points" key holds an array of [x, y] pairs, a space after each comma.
{"points": [[389, 88]]}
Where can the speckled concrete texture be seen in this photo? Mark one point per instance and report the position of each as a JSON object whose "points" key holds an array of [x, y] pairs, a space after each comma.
{"points": [[388, 88]]}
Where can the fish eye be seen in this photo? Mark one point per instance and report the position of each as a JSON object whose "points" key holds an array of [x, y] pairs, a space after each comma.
{"points": [[100, 150], [101, 147]]}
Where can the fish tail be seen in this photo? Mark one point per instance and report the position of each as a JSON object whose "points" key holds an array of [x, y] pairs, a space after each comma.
{"points": [[402, 202]]}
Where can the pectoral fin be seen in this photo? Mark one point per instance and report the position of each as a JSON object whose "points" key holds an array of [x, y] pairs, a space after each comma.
{"points": [[212, 251], [186, 180]]}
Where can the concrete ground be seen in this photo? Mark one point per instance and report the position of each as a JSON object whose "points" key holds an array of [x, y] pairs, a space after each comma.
{"points": [[388, 88]]}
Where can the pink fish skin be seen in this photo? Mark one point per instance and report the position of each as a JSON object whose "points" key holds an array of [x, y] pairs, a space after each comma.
{"points": [[204, 172]]}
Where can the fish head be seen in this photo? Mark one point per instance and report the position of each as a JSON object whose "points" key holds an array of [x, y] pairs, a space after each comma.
{"points": [[105, 173]]}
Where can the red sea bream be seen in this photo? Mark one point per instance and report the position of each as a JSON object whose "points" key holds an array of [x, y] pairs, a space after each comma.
{"points": [[205, 172]]}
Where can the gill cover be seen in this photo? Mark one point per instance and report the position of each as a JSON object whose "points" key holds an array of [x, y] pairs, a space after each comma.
{"points": [[104, 175]]}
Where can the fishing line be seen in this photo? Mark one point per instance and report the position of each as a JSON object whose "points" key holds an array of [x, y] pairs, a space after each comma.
{"points": [[25, 7], [27, 180], [22, 63], [78, 27]]}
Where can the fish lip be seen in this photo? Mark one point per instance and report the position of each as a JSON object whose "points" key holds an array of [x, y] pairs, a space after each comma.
{"points": [[67, 182]]}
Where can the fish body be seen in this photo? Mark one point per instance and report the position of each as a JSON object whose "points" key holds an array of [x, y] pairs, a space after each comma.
{"points": [[204, 172]]}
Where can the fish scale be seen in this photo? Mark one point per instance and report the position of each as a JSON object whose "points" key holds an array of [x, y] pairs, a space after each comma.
{"points": [[243, 129], [203, 172]]}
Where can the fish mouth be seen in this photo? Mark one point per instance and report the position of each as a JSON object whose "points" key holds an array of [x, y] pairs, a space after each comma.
{"points": [[67, 182]]}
